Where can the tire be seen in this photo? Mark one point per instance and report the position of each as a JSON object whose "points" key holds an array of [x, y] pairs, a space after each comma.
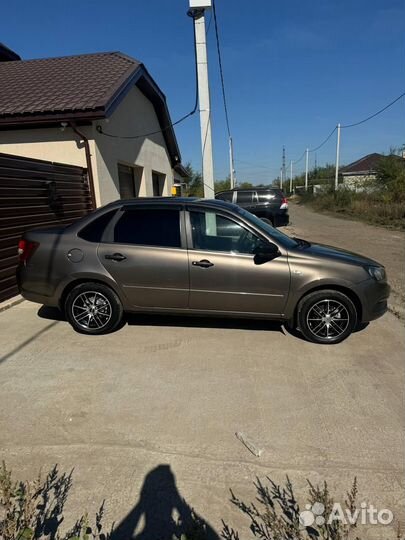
{"points": [[326, 317], [93, 309]]}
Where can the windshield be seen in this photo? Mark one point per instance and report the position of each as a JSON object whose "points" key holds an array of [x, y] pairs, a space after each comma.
{"points": [[285, 241]]}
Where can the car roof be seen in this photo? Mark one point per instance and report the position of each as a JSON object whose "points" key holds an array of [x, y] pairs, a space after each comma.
{"points": [[175, 201], [249, 189]]}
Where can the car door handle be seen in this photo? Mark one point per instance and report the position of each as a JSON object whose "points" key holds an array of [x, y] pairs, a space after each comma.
{"points": [[203, 264], [115, 257]]}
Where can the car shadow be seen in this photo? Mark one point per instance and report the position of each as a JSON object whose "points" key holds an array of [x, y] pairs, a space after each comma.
{"points": [[170, 320]]}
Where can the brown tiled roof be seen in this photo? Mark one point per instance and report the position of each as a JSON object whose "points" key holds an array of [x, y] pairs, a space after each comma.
{"points": [[76, 88], [365, 164], [54, 85]]}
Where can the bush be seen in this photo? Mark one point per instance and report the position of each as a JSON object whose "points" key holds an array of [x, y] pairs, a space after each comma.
{"points": [[377, 207], [276, 514], [34, 511]]}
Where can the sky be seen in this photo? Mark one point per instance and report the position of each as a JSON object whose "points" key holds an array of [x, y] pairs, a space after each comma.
{"points": [[292, 69]]}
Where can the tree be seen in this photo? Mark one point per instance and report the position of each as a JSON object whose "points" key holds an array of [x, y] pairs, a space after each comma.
{"points": [[391, 177], [194, 184]]}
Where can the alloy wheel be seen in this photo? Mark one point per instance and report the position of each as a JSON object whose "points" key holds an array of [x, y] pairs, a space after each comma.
{"points": [[328, 319], [91, 310]]}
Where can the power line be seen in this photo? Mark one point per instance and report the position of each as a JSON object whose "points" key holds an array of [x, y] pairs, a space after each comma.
{"points": [[256, 165], [375, 114], [169, 126], [324, 142], [351, 125], [220, 68], [299, 159]]}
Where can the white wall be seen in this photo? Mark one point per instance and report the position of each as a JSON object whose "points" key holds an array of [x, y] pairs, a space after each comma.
{"points": [[135, 115]]}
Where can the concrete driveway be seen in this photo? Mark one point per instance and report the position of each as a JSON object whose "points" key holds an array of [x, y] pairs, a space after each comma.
{"points": [[174, 391]]}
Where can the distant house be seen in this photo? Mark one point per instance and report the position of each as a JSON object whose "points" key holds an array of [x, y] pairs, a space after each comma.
{"points": [[74, 110], [357, 174]]}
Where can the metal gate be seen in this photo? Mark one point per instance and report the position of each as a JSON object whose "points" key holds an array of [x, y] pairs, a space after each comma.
{"points": [[34, 194]]}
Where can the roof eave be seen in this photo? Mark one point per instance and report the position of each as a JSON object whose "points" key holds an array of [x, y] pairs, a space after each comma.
{"points": [[145, 83], [35, 120]]}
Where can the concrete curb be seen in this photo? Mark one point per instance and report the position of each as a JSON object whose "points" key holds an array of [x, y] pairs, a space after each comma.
{"points": [[7, 304]]}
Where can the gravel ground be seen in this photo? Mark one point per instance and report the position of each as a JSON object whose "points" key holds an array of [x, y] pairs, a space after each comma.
{"points": [[384, 245]]}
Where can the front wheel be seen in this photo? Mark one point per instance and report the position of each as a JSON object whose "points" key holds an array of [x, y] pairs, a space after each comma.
{"points": [[93, 308], [326, 316]]}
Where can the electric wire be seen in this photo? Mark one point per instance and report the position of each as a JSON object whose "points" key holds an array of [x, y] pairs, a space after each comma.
{"points": [[169, 126], [324, 142], [375, 114], [214, 12]]}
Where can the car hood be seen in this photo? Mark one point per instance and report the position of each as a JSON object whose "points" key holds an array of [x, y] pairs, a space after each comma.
{"points": [[338, 254]]}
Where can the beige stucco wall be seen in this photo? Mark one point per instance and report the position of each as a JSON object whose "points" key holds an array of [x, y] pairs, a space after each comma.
{"points": [[134, 115]]}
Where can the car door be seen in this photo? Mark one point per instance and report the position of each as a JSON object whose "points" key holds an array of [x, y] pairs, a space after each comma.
{"points": [[144, 250], [224, 276]]}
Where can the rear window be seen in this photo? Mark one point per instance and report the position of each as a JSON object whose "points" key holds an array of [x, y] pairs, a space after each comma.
{"points": [[226, 196], [149, 227], [270, 195], [93, 232]]}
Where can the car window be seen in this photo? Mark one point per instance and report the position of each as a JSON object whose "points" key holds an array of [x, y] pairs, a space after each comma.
{"points": [[226, 196], [213, 232], [93, 232], [275, 234], [244, 197], [149, 227]]}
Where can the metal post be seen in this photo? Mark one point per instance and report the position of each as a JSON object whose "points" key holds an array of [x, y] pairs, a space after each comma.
{"points": [[198, 14], [337, 157], [231, 164], [306, 169], [291, 176]]}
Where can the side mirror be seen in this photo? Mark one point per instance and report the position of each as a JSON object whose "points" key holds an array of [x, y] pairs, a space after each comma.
{"points": [[266, 251]]}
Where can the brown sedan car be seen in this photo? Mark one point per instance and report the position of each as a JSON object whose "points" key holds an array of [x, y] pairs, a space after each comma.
{"points": [[194, 256]]}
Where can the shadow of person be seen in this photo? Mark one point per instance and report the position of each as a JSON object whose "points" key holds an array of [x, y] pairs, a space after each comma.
{"points": [[161, 512]]}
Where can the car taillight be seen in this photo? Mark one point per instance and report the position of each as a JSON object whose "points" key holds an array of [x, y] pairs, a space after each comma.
{"points": [[26, 249], [284, 203]]}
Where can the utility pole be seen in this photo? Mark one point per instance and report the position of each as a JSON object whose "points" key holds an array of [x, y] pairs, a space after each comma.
{"points": [[306, 169], [291, 176], [231, 163], [281, 179], [197, 12], [337, 157], [284, 171]]}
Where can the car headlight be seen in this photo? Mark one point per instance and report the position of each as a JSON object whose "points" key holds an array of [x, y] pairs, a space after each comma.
{"points": [[377, 272]]}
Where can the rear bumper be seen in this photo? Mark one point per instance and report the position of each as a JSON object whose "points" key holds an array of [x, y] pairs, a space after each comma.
{"points": [[282, 219], [29, 289], [374, 298]]}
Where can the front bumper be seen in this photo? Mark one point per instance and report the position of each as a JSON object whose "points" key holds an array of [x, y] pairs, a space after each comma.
{"points": [[374, 299]]}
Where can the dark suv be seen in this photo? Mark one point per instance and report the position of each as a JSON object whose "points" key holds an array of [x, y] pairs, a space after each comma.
{"points": [[268, 203], [193, 256]]}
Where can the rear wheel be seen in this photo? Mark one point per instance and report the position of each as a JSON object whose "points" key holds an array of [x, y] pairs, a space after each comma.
{"points": [[93, 308], [326, 316]]}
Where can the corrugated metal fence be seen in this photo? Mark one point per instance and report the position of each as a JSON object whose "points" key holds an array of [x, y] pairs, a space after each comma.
{"points": [[34, 194]]}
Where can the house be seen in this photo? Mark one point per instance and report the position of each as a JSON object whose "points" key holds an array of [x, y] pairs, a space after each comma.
{"points": [[100, 111], [356, 175]]}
